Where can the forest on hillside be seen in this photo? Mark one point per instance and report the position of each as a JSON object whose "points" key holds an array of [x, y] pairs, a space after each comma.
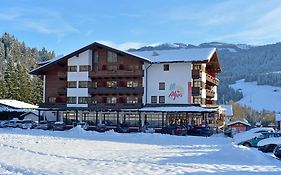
{"points": [[16, 61]]}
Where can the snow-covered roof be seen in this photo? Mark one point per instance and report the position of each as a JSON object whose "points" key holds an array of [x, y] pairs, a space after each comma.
{"points": [[17, 104], [239, 121], [228, 108], [178, 55], [272, 140], [4, 108], [278, 117], [174, 109]]}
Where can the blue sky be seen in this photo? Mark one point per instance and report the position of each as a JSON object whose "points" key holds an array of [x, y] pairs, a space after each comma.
{"points": [[66, 25]]}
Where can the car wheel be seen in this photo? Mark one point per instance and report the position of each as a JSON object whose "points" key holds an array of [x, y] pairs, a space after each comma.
{"points": [[270, 148], [247, 144]]}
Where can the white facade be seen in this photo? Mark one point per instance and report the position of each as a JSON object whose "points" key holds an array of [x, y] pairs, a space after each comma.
{"points": [[84, 58], [176, 81]]}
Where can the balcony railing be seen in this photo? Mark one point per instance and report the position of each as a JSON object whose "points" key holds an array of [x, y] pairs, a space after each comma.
{"points": [[212, 79], [116, 74], [62, 91], [196, 91], [210, 93], [196, 74], [117, 90], [62, 75], [52, 105]]}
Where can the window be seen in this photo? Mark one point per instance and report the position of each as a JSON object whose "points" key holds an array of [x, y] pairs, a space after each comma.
{"points": [[94, 84], [72, 68], [71, 84], [196, 100], [111, 100], [132, 99], [166, 67], [52, 99], [162, 99], [83, 84], [71, 100], [83, 100], [131, 84], [96, 57], [197, 67], [197, 83], [162, 86], [84, 68], [112, 84], [153, 99], [111, 57]]}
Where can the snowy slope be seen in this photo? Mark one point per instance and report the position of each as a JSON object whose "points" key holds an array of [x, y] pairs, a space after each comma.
{"points": [[79, 152], [259, 97]]}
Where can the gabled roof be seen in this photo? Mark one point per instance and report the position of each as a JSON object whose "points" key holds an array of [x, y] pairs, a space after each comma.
{"points": [[63, 58], [178, 55]]}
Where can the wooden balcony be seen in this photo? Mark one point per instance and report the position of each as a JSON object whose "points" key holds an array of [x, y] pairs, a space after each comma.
{"points": [[210, 93], [62, 91], [196, 91], [211, 103], [117, 90], [116, 74], [107, 106], [52, 105], [212, 79], [62, 75], [196, 74]]}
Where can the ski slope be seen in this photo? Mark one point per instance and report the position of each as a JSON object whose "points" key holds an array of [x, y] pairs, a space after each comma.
{"points": [[259, 97]]}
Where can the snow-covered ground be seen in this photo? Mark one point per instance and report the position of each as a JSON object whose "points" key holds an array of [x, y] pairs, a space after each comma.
{"points": [[259, 97], [85, 152]]}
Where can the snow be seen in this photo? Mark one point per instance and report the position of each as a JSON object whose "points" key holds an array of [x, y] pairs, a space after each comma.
{"points": [[259, 97], [17, 104], [238, 121], [252, 133], [86, 152], [173, 108], [178, 55], [272, 140]]}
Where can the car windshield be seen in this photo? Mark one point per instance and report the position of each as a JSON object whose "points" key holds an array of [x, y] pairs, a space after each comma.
{"points": [[27, 121]]}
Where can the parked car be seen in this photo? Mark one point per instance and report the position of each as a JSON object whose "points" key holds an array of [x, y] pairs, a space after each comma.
{"points": [[83, 125], [253, 142], [277, 151], [27, 124], [45, 125], [101, 127], [15, 123], [124, 128], [250, 134], [175, 129], [269, 144], [59, 126], [4, 124], [200, 131]]}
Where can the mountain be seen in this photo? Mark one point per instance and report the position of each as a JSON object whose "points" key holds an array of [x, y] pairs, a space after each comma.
{"points": [[239, 61]]}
